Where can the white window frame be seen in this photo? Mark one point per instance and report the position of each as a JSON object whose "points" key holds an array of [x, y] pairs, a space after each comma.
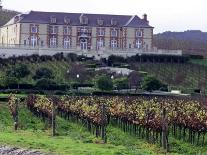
{"points": [[139, 33], [35, 28], [100, 43], [114, 44], [66, 30], [33, 40], [101, 32], [114, 33], [84, 45], [66, 43], [53, 42], [138, 44], [84, 30], [53, 30]]}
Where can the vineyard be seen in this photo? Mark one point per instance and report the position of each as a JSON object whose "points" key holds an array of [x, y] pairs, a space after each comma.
{"points": [[153, 119]]}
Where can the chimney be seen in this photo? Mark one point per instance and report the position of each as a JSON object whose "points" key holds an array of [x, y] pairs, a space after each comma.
{"points": [[145, 18]]}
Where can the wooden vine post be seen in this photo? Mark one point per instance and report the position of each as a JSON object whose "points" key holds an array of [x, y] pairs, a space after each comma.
{"points": [[54, 103], [103, 118], [13, 104], [164, 130], [15, 116], [53, 119]]}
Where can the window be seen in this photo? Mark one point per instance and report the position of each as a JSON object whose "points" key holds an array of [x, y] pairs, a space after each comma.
{"points": [[53, 42], [84, 30], [25, 42], [100, 32], [138, 44], [53, 29], [130, 45], [100, 43], [53, 19], [100, 22], [66, 42], [33, 40], [83, 20], [114, 33], [138, 33], [42, 43], [113, 22], [66, 20], [33, 29], [66, 30], [113, 44]]}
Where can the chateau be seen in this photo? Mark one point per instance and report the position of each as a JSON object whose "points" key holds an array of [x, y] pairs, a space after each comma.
{"points": [[78, 31]]}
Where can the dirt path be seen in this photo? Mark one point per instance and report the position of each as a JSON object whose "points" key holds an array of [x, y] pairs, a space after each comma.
{"points": [[6, 150]]}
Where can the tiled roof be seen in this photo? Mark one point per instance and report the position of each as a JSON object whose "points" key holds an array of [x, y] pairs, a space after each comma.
{"points": [[122, 20]]}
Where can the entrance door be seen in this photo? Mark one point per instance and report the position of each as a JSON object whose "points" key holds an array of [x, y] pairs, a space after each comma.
{"points": [[84, 44]]}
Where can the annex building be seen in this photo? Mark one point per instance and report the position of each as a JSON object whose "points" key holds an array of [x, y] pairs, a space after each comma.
{"points": [[78, 31]]}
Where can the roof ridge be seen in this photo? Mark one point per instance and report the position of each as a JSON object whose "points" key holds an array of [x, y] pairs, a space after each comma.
{"points": [[129, 21]]}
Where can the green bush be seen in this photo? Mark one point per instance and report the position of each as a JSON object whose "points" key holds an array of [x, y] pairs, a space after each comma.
{"points": [[43, 73], [105, 83], [150, 83]]}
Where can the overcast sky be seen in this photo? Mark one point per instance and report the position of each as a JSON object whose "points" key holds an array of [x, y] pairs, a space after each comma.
{"points": [[164, 15]]}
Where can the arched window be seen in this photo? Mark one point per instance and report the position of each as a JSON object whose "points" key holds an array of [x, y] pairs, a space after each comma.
{"points": [[139, 33]]}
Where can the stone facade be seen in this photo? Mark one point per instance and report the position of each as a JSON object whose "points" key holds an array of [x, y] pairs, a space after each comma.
{"points": [[88, 32]]}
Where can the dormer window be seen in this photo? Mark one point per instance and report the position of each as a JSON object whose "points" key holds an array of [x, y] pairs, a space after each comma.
{"points": [[53, 20], [114, 33], [139, 33], [100, 22], [66, 20], [33, 29], [16, 19], [113, 22], [83, 20]]}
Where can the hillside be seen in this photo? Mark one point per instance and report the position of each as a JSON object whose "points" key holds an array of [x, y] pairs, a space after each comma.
{"points": [[6, 15], [187, 76], [191, 41]]}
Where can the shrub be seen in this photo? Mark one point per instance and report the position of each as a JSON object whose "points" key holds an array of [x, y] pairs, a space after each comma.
{"points": [[105, 83], [150, 83], [46, 84], [43, 73]]}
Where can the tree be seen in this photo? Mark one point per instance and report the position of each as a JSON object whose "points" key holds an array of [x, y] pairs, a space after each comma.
{"points": [[18, 72], [7, 81], [150, 83], [134, 79], [121, 83], [105, 83], [80, 70], [43, 73]]}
